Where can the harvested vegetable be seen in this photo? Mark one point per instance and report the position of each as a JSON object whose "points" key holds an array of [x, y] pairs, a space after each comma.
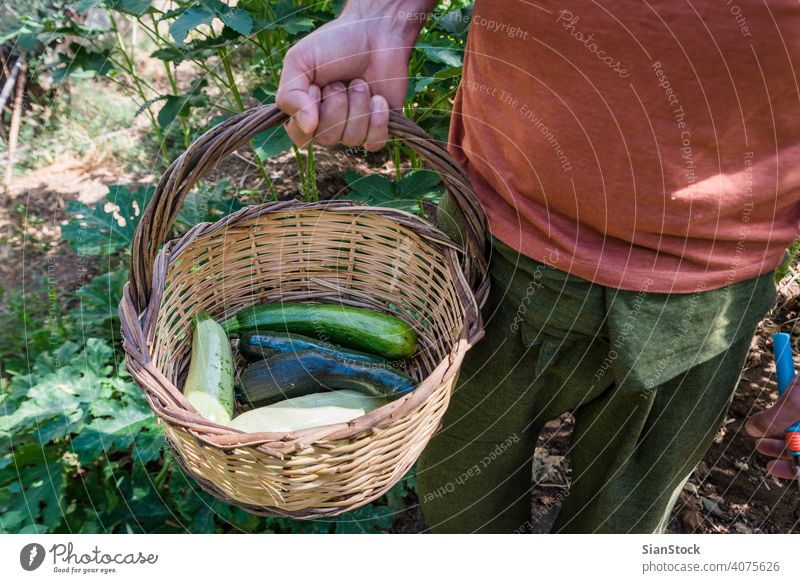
{"points": [[209, 383], [307, 411], [291, 375], [256, 346], [357, 328]]}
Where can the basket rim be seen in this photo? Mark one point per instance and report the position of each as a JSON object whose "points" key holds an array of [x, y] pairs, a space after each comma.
{"points": [[169, 404]]}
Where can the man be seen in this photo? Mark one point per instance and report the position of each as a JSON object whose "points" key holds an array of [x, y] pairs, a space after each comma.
{"points": [[638, 166]]}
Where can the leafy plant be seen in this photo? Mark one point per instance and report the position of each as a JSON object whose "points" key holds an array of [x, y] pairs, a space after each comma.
{"points": [[207, 203], [96, 312], [108, 226], [56, 424], [216, 38], [35, 327], [80, 449], [407, 194], [793, 253]]}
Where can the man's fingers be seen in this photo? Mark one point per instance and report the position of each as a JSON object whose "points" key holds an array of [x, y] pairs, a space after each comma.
{"points": [[295, 129], [332, 114], [294, 95], [772, 447], [378, 131], [782, 469], [358, 113], [773, 421]]}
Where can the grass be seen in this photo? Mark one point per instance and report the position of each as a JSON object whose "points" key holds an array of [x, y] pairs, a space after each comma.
{"points": [[91, 121]]}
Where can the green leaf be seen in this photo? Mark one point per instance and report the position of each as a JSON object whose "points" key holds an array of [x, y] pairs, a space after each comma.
{"points": [[406, 195], [149, 443], [14, 30], [97, 231], [272, 142], [171, 54], [456, 22], [207, 204], [83, 6], [35, 490], [419, 86], [418, 182], [13, 520], [297, 24], [28, 41], [239, 20], [117, 431], [288, 18], [146, 105], [99, 300], [67, 353], [188, 21], [83, 63], [372, 518], [97, 356], [52, 408], [178, 105], [198, 50], [372, 188], [132, 7], [264, 94], [409, 205], [172, 108], [445, 55]]}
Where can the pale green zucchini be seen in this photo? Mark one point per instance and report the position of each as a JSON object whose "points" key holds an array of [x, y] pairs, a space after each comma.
{"points": [[209, 383], [308, 411]]}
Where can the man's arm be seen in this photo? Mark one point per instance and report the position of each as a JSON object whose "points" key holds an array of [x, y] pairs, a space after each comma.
{"points": [[339, 82]]}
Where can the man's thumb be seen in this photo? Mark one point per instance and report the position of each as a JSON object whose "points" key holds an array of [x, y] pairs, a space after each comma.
{"points": [[297, 96], [301, 105]]}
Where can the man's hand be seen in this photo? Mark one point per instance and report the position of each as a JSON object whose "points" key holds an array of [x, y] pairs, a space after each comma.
{"points": [[339, 82], [768, 426]]}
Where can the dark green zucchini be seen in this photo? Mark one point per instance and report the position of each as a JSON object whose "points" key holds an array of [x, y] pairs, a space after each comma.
{"points": [[289, 375], [255, 346], [346, 326]]}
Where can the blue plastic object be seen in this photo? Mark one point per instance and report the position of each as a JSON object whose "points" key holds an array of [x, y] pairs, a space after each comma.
{"points": [[784, 372], [784, 363]]}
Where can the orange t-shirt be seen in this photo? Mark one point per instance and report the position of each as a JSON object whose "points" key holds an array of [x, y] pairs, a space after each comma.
{"points": [[636, 144]]}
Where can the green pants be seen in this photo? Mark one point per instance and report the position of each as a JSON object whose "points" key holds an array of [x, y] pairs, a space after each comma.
{"points": [[648, 377]]}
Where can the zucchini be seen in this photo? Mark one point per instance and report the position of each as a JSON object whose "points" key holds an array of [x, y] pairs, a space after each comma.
{"points": [[209, 383], [350, 327], [307, 411], [255, 346], [285, 376]]}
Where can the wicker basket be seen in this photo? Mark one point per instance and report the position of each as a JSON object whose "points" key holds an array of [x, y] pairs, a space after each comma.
{"points": [[332, 252]]}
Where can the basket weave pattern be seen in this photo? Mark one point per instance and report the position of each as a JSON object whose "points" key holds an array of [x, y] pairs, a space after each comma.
{"points": [[331, 252]]}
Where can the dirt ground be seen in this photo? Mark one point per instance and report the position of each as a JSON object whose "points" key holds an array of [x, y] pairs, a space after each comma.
{"points": [[730, 490]]}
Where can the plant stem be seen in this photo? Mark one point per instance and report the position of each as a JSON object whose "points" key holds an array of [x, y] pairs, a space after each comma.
{"points": [[311, 173], [173, 84], [396, 161], [226, 65], [162, 474], [432, 107], [298, 158], [131, 70], [262, 40]]}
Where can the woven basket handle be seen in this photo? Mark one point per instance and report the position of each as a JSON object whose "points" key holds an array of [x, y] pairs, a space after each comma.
{"points": [[217, 143]]}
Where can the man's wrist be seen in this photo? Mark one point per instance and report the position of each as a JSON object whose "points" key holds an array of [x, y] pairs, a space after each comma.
{"points": [[405, 17]]}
